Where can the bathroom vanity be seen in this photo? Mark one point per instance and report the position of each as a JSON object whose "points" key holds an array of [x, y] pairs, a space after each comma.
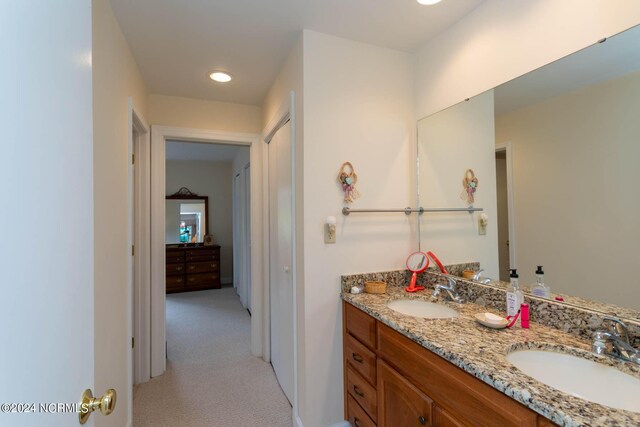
{"points": [[402, 370], [391, 381]]}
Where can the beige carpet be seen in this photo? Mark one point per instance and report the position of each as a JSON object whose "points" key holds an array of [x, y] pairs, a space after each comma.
{"points": [[211, 379]]}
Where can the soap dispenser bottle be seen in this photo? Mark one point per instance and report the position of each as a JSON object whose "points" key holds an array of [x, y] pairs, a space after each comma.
{"points": [[540, 289], [515, 297]]}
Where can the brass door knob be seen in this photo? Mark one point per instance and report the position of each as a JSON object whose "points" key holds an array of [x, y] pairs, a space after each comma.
{"points": [[88, 404]]}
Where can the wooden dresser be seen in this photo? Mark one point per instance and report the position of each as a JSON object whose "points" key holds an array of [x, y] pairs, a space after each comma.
{"points": [[192, 268]]}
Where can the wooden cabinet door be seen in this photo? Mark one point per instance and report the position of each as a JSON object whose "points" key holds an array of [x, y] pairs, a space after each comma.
{"points": [[442, 418], [400, 404]]}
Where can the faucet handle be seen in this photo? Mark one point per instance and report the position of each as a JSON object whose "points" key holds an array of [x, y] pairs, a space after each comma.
{"points": [[452, 283], [618, 327]]}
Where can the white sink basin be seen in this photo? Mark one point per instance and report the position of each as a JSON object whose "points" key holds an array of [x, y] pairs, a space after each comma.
{"points": [[424, 309], [580, 377]]}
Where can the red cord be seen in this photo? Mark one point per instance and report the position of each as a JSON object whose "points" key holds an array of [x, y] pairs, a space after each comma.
{"points": [[515, 318]]}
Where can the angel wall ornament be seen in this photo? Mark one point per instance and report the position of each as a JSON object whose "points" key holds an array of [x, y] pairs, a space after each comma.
{"points": [[469, 186], [348, 179]]}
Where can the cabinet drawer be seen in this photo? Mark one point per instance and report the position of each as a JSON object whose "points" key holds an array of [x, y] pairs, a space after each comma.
{"points": [[361, 326], [202, 258], [171, 259], [204, 279], [211, 253], [361, 359], [363, 393], [175, 283], [175, 269], [470, 400], [202, 267], [357, 416]]}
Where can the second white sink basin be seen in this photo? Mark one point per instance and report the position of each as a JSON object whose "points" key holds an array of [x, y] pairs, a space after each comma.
{"points": [[424, 309], [580, 377]]}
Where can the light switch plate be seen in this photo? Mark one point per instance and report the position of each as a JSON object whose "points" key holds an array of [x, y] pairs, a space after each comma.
{"points": [[329, 233], [482, 227]]}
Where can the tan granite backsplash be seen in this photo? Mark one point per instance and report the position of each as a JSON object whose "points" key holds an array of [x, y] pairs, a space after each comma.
{"points": [[577, 321]]}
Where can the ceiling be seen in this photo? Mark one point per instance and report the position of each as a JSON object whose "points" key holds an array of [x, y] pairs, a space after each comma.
{"points": [[176, 44], [617, 56], [179, 150]]}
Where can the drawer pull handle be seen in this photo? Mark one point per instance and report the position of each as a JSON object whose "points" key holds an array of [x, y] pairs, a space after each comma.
{"points": [[179, 268], [356, 422], [357, 357], [192, 279], [191, 267], [422, 420], [357, 391]]}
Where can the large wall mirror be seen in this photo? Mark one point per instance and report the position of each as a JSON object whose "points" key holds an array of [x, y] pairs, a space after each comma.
{"points": [[186, 217], [556, 154]]}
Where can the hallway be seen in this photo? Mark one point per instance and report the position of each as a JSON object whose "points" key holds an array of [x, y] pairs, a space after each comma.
{"points": [[211, 379]]}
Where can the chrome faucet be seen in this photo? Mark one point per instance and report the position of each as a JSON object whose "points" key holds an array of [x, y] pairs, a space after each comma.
{"points": [[615, 342], [478, 278], [450, 291]]}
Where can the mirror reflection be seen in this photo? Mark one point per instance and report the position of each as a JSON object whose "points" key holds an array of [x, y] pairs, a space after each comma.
{"points": [[185, 218], [417, 262], [555, 153]]}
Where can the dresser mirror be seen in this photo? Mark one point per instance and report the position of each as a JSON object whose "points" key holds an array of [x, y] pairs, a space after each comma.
{"points": [[186, 216], [556, 158]]}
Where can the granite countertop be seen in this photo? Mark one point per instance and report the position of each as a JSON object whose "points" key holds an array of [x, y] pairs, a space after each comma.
{"points": [[482, 351]]}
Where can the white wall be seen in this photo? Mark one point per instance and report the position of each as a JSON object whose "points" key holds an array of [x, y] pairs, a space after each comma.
{"points": [[575, 165], [116, 77], [212, 179], [501, 40], [357, 107], [450, 142], [201, 114]]}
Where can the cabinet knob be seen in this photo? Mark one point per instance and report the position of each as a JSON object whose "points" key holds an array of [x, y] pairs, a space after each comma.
{"points": [[422, 420], [356, 422], [357, 357]]}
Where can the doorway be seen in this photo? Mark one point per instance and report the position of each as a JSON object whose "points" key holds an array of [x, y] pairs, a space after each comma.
{"points": [[505, 210], [139, 264], [160, 136]]}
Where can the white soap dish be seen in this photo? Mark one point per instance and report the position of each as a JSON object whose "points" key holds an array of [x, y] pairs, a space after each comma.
{"points": [[490, 320]]}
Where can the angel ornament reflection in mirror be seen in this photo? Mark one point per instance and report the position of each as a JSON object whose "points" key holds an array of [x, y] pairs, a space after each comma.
{"points": [[469, 186]]}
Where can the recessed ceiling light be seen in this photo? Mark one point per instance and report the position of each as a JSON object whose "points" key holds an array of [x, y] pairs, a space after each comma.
{"points": [[220, 77], [429, 2]]}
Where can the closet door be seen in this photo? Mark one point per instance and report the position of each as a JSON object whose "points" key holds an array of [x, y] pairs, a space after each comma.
{"points": [[281, 257]]}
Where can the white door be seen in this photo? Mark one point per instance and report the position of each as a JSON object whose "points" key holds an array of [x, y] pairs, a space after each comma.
{"points": [[46, 166], [246, 246], [280, 258]]}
